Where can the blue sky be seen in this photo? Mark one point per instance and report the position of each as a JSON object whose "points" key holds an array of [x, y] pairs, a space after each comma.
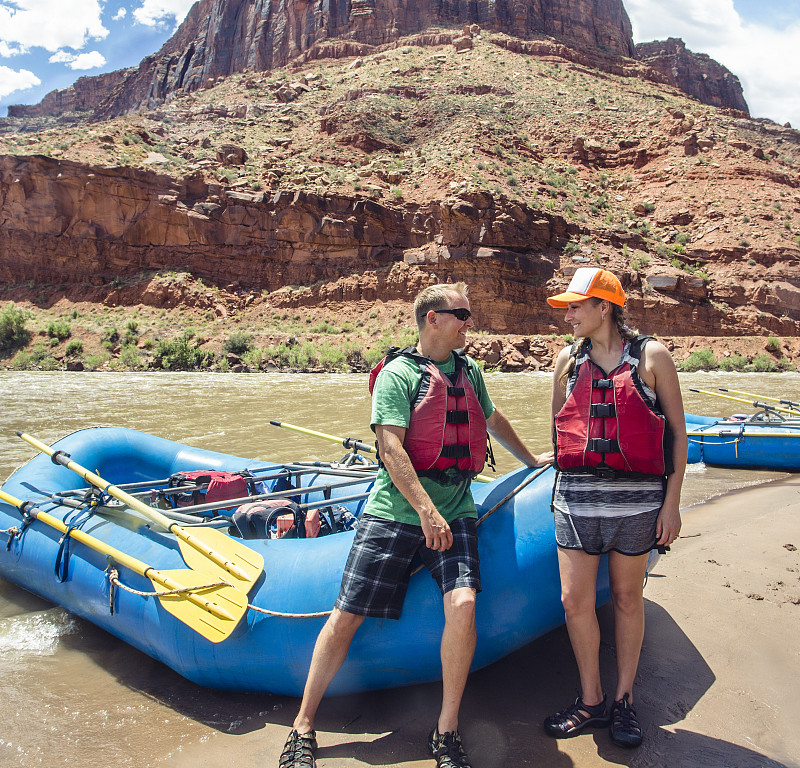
{"points": [[48, 44]]}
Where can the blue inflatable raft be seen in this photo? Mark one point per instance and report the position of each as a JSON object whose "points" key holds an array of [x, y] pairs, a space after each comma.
{"points": [[270, 651], [743, 443]]}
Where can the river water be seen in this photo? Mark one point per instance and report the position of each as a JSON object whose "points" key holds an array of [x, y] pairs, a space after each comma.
{"points": [[71, 693]]}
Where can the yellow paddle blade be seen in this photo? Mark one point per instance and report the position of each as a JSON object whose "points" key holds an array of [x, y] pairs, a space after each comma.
{"points": [[201, 609], [249, 564]]}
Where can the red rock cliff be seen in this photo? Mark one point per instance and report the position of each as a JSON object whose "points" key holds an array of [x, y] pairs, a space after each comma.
{"points": [[220, 37]]}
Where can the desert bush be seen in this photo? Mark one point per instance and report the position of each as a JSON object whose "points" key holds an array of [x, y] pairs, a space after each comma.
{"points": [[699, 360], [734, 362], [13, 333], [763, 363], [59, 330], [179, 355], [773, 344], [238, 343], [74, 347]]}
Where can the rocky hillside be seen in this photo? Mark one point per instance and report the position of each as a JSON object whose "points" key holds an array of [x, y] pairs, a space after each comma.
{"points": [[219, 38], [336, 185]]}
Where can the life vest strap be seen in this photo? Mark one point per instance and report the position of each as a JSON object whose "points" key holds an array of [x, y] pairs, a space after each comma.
{"points": [[457, 417], [602, 445], [603, 383], [455, 391], [603, 410], [455, 451]]}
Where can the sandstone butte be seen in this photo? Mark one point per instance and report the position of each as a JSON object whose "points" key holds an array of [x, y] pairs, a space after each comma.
{"points": [[323, 161]]}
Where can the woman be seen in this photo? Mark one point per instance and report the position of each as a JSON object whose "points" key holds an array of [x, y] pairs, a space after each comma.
{"points": [[621, 454]]}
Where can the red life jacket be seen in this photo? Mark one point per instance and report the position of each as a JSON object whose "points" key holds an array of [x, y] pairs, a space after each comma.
{"points": [[447, 427], [607, 426]]}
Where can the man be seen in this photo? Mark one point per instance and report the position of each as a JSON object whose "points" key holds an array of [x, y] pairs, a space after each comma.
{"points": [[421, 503]]}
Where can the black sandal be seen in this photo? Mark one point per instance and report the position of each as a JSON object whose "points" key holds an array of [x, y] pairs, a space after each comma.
{"points": [[625, 729], [572, 720], [298, 752]]}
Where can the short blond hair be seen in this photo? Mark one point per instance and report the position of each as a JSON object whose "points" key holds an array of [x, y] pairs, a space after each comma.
{"points": [[435, 297]]}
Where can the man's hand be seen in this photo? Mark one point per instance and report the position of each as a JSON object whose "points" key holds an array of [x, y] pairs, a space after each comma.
{"points": [[438, 535]]}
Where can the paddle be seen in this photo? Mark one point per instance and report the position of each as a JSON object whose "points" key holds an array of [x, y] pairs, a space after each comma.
{"points": [[754, 403], [790, 403], [206, 549], [214, 619], [349, 442]]}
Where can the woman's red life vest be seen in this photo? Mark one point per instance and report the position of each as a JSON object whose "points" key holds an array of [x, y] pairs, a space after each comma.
{"points": [[608, 426], [447, 427]]}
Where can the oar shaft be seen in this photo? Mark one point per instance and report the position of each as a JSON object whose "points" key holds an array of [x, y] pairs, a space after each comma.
{"points": [[288, 493], [753, 403], [347, 442], [791, 403], [61, 458], [131, 563]]}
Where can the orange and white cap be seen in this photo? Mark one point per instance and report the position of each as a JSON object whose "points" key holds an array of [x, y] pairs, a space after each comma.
{"points": [[590, 282]]}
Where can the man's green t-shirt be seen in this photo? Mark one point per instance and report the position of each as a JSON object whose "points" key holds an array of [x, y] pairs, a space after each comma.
{"points": [[395, 387]]}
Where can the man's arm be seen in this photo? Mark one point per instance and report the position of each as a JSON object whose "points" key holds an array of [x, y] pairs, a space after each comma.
{"points": [[398, 464], [501, 430]]}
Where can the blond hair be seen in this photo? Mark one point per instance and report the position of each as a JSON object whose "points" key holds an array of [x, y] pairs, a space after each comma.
{"points": [[435, 297]]}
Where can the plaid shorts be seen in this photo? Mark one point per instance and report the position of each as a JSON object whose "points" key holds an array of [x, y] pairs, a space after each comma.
{"points": [[379, 566]]}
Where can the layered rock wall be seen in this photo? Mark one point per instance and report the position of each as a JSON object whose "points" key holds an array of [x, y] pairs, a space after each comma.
{"points": [[62, 222], [220, 37], [693, 73]]}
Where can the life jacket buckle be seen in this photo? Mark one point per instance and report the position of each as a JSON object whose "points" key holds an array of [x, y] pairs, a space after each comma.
{"points": [[603, 383], [602, 445], [603, 410]]}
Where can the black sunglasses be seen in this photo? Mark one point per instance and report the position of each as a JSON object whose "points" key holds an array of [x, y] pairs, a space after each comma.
{"points": [[462, 314]]}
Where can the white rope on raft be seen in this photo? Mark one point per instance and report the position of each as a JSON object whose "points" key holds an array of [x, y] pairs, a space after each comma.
{"points": [[114, 576]]}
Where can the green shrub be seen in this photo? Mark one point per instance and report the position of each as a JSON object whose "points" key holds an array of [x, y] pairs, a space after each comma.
{"points": [[180, 355], [773, 344], [571, 248], [74, 347], [763, 363], [13, 333], [130, 359], [734, 362], [238, 343], [93, 362], [699, 360], [253, 358], [639, 261], [58, 329]]}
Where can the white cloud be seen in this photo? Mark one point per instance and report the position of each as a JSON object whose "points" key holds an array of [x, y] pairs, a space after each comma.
{"points": [[765, 59], [155, 12], [61, 57], [7, 50], [51, 24], [120, 14], [16, 80], [89, 60]]}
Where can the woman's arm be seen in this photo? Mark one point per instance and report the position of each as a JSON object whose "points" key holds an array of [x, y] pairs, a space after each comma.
{"points": [[659, 373]]}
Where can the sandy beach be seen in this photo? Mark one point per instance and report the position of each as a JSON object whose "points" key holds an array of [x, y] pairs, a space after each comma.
{"points": [[716, 687]]}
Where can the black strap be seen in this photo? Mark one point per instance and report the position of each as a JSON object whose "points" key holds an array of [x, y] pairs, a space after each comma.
{"points": [[454, 451], [457, 417], [603, 383], [603, 410], [602, 445]]}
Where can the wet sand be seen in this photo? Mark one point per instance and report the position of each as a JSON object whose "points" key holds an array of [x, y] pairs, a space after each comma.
{"points": [[717, 685]]}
